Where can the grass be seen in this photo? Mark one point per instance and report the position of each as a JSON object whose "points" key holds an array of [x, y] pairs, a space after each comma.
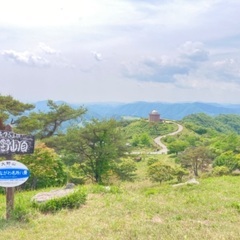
{"points": [[140, 210]]}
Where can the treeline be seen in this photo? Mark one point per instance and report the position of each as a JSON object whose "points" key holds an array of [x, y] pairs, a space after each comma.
{"points": [[223, 123]]}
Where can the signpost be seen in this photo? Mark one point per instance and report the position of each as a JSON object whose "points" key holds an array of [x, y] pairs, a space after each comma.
{"points": [[13, 173]]}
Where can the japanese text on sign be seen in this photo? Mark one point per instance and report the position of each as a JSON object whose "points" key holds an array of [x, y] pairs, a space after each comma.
{"points": [[11, 142]]}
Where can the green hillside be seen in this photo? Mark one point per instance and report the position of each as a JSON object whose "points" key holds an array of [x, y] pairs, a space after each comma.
{"points": [[131, 177]]}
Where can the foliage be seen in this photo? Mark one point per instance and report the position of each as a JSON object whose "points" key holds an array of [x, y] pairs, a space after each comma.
{"points": [[228, 159], [142, 139], [139, 127], [230, 120], [98, 145], [152, 161], [225, 143], [71, 201], [180, 172], [177, 146], [159, 172], [76, 174], [46, 168], [125, 169], [47, 124], [196, 158], [220, 171], [10, 107], [202, 123]]}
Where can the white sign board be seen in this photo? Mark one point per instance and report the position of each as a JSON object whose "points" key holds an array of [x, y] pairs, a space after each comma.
{"points": [[13, 173]]}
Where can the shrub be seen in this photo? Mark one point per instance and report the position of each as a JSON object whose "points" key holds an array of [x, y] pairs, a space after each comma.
{"points": [[125, 169], [152, 161], [159, 172], [179, 172], [220, 171], [46, 169], [71, 201]]}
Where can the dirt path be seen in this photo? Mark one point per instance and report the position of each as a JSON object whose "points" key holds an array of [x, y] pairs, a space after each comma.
{"points": [[157, 140]]}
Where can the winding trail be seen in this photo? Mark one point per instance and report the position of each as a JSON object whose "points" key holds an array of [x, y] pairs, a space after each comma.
{"points": [[157, 140]]}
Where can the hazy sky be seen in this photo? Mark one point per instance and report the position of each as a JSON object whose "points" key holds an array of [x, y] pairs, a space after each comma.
{"points": [[120, 50]]}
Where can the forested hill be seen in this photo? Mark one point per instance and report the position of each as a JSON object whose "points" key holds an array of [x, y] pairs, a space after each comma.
{"points": [[224, 123], [174, 111]]}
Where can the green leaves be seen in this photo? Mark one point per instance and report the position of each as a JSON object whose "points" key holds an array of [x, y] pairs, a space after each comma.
{"points": [[11, 107], [98, 145], [46, 169], [44, 125]]}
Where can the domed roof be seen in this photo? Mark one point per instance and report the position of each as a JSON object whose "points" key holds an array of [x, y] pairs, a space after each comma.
{"points": [[154, 112]]}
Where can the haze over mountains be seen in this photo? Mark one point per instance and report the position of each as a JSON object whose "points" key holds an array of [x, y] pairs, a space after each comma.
{"points": [[174, 111]]}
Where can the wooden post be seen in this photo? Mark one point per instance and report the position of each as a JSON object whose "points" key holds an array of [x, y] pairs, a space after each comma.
{"points": [[9, 202], [9, 190]]}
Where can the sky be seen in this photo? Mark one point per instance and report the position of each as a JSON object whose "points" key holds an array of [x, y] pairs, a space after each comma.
{"points": [[82, 51]]}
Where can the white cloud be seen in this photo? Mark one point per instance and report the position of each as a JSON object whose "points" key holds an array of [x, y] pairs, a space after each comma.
{"points": [[228, 70], [161, 69], [25, 58], [194, 51], [46, 49]]}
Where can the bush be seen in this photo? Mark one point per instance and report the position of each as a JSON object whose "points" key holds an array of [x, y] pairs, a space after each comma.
{"points": [[76, 175], [179, 172], [46, 168], [71, 201], [125, 169], [159, 172], [220, 171], [152, 161]]}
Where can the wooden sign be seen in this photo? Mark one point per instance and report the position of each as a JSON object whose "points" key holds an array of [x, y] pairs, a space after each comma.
{"points": [[13, 143]]}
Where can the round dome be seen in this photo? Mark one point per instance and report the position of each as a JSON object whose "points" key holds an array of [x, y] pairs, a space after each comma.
{"points": [[155, 112]]}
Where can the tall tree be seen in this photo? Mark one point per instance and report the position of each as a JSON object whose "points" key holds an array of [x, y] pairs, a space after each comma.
{"points": [[98, 145], [46, 124]]}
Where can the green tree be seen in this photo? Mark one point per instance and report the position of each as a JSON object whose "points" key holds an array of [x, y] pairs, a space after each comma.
{"points": [[177, 146], [142, 139], [99, 144], [125, 169], [46, 124], [159, 172], [196, 158]]}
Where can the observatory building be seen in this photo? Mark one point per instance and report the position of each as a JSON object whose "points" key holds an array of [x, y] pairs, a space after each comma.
{"points": [[154, 116]]}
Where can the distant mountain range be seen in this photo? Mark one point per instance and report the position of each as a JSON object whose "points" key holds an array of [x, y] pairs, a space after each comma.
{"points": [[174, 111]]}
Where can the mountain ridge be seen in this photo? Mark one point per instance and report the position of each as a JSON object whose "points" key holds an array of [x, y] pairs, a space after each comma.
{"points": [[141, 109]]}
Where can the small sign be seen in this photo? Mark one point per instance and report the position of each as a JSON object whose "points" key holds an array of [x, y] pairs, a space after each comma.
{"points": [[13, 173], [13, 143]]}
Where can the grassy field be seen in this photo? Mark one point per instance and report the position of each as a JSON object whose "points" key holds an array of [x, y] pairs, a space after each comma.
{"points": [[137, 210]]}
